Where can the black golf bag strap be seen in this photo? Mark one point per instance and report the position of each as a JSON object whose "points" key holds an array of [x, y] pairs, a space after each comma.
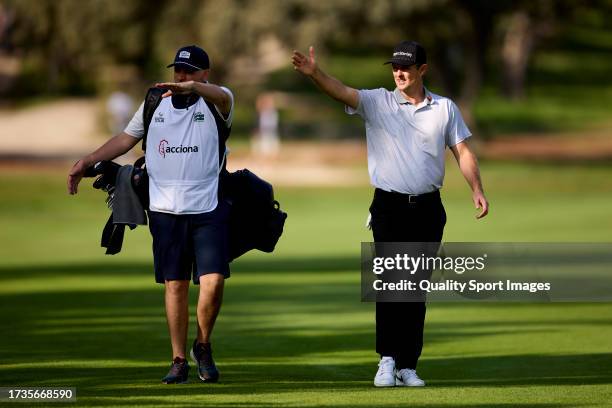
{"points": [[224, 132], [139, 163], [151, 102]]}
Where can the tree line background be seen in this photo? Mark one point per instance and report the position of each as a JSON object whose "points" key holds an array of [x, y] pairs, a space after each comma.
{"points": [[74, 47]]}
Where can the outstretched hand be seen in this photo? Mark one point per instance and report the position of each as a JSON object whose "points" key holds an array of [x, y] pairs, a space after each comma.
{"points": [[176, 88], [305, 65]]}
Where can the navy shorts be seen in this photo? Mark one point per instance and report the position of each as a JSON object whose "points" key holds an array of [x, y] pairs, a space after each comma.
{"points": [[187, 246]]}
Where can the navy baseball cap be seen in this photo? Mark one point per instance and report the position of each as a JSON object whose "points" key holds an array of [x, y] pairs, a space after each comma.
{"points": [[191, 56], [408, 53]]}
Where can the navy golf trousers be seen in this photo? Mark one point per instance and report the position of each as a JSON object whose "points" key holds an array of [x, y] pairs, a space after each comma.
{"points": [[399, 217]]}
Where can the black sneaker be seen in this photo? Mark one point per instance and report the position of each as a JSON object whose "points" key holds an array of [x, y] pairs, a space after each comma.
{"points": [[179, 372], [201, 353]]}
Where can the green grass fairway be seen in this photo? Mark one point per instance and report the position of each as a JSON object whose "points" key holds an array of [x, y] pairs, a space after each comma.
{"points": [[292, 331]]}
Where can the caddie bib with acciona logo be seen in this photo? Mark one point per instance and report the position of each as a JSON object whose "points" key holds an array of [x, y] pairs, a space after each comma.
{"points": [[182, 159]]}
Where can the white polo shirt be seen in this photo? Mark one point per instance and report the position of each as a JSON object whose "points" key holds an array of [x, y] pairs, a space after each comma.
{"points": [[406, 143], [182, 156]]}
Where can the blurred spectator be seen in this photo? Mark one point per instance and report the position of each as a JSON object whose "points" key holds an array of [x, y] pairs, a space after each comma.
{"points": [[266, 141], [120, 107]]}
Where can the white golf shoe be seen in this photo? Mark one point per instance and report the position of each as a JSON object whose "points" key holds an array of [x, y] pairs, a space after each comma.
{"points": [[408, 378], [385, 376]]}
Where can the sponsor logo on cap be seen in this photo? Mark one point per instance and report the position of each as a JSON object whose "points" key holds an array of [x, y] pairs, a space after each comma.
{"points": [[184, 54], [402, 54]]}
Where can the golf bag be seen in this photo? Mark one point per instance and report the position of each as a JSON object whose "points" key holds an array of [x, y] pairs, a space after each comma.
{"points": [[256, 220]]}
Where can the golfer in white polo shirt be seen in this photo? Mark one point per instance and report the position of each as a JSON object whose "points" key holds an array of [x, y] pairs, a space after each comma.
{"points": [[407, 132]]}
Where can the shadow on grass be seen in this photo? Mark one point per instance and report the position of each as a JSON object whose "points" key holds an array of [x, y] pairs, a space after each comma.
{"points": [[111, 343], [268, 263], [107, 386]]}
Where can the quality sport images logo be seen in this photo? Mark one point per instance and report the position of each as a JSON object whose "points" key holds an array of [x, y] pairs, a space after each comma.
{"points": [[164, 148]]}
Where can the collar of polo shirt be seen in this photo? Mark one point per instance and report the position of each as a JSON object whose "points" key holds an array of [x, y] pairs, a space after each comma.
{"points": [[401, 100]]}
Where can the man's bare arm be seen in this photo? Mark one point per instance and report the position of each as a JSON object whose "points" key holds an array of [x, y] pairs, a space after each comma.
{"points": [[468, 164], [211, 92], [114, 147], [326, 83]]}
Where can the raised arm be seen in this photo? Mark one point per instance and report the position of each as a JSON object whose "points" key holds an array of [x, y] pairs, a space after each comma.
{"points": [[328, 84], [468, 164], [211, 92], [114, 147]]}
